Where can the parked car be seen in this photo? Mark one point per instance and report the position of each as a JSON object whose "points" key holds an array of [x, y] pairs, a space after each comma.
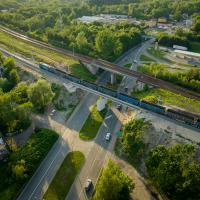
{"points": [[108, 136], [88, 184]]}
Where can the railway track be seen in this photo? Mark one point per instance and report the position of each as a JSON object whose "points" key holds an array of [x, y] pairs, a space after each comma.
{"points": [[108, 66]]}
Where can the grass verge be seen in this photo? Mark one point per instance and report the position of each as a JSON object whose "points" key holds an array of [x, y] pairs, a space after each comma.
{"points": [[92, 124], [170, 99], [194, 46], [23, 162], [65, 176], [40, 54], [156, 53], [128, 65], [146, 58]]}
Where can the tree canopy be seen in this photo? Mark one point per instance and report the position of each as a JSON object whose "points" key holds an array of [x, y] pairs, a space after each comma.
{"points": [[113, 184], [174, 171], [40, 94]]}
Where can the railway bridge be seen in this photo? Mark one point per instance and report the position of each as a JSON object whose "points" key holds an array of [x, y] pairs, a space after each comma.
{"points": [[108, 66]]}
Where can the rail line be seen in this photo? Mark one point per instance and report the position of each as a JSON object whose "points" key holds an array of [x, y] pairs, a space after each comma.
{"points": [[108, 66]]}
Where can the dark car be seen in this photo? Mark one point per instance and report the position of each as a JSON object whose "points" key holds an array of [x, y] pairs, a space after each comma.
{"points": [[88, 185], [119, 107]]}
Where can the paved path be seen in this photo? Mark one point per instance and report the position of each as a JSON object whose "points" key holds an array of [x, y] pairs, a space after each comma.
{"points": [[98, 155], [69, 141]]}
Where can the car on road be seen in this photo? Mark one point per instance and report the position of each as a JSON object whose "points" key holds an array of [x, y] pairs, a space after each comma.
{"points": [[126, 89], [108, 136], [119, 107], [88, 184], [135, 61], [52, 113]]}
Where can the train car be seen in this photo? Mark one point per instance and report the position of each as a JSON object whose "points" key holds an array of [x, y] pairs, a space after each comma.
{"points": [[46, 67], [183, 116], [107, 91], [90, 85], [197, 124], [128, 99], [60, 72], [73, 78], [152, 107]]}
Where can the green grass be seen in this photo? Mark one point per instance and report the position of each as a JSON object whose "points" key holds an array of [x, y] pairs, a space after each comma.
{"points": [[128, 65], [65, 176], [39, 54], [146, 58], [169, 98], [156, 53], [92, 124], [82, 72], [32, 154], [194, 46]]}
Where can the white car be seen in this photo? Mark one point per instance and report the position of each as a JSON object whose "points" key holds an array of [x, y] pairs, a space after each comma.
{"points": [[52, 113], [108, 136]]}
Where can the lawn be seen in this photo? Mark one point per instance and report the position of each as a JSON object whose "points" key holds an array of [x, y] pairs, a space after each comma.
{"points": [[128, 65], [146, 58], [156, 53], [44, 55], [194, 46], [25, 160], [65, 176], [92, 124], [171, 99]]}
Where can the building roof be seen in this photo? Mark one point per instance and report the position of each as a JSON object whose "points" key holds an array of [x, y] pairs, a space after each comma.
{"points": [[188, 53]]}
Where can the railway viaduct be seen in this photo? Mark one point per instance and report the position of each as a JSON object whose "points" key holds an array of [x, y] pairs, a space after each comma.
{"points": [[108, 66]]}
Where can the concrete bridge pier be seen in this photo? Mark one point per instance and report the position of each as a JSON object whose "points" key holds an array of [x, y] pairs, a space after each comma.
{"points": [[113, 78], [93, 69]]}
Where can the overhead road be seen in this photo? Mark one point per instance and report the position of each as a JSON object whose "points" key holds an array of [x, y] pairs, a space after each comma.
{"points": [[108, 66]]}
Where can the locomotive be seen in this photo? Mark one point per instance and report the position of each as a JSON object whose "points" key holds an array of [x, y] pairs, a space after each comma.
{"points": [[186, 117]]}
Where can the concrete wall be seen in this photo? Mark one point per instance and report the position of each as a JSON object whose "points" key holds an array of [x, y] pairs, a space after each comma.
{"points": [[93, 69]]}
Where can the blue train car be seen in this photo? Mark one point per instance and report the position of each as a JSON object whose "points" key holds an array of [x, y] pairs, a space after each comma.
{"points": [[107, 91], [198, 124], [152, 107], [73, 79], [90, 85], [128, 99], [183, 116], [47, 67], [60, 73]]}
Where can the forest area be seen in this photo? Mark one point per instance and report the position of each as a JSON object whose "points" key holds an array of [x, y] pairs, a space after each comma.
{"points": [[54, 21]]}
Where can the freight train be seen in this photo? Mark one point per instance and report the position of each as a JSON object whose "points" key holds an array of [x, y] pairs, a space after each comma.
{"points": [[188, 118]]}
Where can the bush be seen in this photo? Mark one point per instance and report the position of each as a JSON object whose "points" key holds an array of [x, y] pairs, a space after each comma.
{"points": [[23, 162]]}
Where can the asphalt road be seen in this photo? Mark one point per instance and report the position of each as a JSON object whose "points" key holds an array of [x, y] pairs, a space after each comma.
{"points": [[98, 155], [49, 166], [99, 152], [134, 58]]}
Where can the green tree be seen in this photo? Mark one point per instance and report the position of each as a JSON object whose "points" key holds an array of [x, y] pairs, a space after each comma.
{"points": [[107, 44], [174, 171], [82, 42], [1, 59], [19, 170], [9, 64], [19, 93], [13, 77], [40, 94], [113, 184]]}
